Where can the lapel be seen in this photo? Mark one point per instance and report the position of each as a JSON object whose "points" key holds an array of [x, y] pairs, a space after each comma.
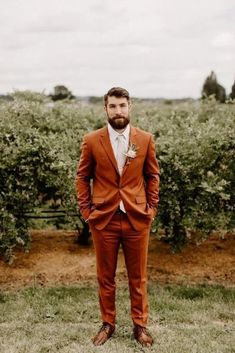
{"points": [[132, 139], [105, 141]]}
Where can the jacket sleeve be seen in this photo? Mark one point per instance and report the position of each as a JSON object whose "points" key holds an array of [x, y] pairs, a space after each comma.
{"points": [[83, 179], [152, 176]]}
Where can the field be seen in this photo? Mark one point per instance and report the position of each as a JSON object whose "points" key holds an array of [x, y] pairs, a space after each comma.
{"points": [[63, 319], [56, 259], [48, 295], [49, 303]]}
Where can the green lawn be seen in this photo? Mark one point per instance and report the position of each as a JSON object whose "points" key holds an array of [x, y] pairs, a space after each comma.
{"points": [[63, 319]]}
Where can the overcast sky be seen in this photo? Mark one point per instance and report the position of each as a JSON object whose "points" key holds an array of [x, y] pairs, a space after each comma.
{"points": [[154, 48]]}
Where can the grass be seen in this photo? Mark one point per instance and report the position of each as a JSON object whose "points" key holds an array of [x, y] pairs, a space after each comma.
{"points": [[63, 319]]}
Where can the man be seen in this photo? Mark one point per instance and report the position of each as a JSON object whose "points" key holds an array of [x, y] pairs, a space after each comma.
{"points": [[119, 207]]}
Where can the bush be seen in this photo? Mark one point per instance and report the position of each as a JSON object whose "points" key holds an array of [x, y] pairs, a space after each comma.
{"points": [[196, 151], [40, 147]]}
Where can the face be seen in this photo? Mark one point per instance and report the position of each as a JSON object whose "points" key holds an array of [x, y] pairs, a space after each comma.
{"points": [[118, 112]]}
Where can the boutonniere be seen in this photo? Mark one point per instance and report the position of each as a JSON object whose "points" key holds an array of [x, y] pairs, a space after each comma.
{"points": [[132, 151]]}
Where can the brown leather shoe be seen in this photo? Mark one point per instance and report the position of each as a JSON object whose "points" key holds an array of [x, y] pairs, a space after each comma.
{"points": [[142, 336], [104, 333]]}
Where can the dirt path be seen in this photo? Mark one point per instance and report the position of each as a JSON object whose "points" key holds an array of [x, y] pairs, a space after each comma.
{"points": [[55, 259]]}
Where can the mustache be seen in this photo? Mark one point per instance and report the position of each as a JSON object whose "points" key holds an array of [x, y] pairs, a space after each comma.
{"points": [[119, 116]]}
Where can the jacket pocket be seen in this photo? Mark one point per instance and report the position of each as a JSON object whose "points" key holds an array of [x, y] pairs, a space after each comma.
{"points": [[140, 199]]}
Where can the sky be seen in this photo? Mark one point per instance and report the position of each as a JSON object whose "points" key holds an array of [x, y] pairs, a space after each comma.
{"points": [[153, 48]]}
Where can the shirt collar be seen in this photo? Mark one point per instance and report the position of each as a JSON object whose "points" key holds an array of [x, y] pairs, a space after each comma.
{"points": [[113, 133]]}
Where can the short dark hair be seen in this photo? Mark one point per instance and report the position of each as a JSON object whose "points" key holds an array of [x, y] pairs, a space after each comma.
{"points": [[116, 92]]}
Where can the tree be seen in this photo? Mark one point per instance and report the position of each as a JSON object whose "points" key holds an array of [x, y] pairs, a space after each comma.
{"points": [[232, 94], [61, 92], [212, 88]]}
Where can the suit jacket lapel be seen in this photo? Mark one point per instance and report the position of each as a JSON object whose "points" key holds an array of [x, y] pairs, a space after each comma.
{"points": [[132, 139], [133, 133], [105, 141]]}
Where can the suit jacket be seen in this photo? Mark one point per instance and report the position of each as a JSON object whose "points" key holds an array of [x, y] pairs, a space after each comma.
{"points": [[137, 187]]}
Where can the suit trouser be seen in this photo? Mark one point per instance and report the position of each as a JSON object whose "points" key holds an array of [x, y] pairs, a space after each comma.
{"points": [[135, 248]]}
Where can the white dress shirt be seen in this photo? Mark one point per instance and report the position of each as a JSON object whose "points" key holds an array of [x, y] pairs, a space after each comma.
{"points": [[113, 137]]}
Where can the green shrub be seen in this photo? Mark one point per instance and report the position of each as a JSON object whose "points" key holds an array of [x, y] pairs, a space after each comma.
{"points": [[195, 148], [40, 148]]}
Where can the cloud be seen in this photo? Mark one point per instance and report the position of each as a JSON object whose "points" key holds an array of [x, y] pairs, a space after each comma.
{"points": [[155, 47], [225, 39]]}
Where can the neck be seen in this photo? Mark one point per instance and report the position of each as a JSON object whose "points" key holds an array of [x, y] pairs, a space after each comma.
{"points": [[120, 131]]}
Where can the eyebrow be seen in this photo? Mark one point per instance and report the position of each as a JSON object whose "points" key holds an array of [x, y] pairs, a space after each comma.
{"points": [[114, 105]]}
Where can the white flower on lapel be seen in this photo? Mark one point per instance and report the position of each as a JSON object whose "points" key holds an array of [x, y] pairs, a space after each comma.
{"points": [[132, 151]]}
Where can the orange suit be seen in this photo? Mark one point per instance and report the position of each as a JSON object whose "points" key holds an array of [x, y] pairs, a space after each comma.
{"points": [[138, 188]]}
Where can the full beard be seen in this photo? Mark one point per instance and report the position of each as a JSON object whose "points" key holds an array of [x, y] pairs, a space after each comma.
{"points": [[119, 122]]}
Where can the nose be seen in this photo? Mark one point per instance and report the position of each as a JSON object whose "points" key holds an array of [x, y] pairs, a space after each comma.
{"points": [[118, 110]]}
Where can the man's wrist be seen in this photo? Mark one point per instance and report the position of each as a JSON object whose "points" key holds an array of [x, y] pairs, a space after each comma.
{"points": [[85, 216]]}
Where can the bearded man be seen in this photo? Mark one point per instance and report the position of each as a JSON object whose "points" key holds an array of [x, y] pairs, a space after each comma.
{"points": [[120, 206]]}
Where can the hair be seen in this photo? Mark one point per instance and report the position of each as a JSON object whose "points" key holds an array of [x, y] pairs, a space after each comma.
{"points": [[118, 92]]}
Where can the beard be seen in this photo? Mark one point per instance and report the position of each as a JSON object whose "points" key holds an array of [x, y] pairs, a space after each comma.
{"points": [[119, 122]]}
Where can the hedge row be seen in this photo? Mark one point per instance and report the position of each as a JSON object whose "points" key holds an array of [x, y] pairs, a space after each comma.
{"points": [[40, 147]]}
